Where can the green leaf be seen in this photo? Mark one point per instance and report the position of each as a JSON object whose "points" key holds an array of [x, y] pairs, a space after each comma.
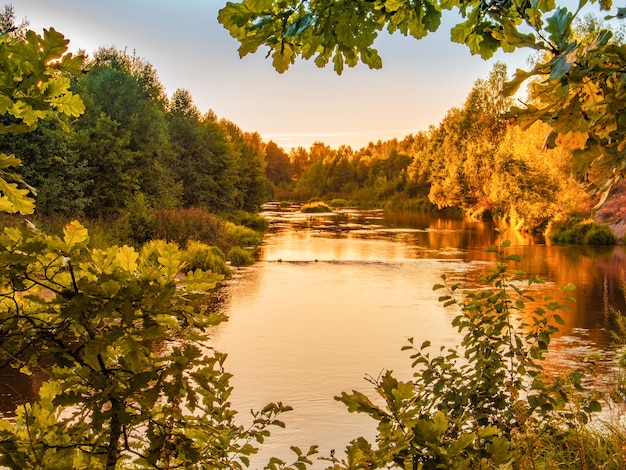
{"points": [[69, 104], [559, 25], [8, 161]]}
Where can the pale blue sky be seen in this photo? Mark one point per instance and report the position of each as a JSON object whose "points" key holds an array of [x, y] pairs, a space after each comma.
{"points": [[419, 82]]}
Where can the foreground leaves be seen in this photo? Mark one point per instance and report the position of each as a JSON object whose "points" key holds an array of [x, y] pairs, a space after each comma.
{"points": [[120, 337], [34, 79]]}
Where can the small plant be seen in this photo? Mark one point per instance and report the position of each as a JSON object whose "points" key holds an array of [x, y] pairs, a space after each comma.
{"points": [[599, 235], [315, 207], [256, 222], [240, 257], [138, 220], [473, 406], [339, 203]]}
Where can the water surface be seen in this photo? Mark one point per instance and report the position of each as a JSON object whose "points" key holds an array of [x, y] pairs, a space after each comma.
{"points": [[334, 298]]}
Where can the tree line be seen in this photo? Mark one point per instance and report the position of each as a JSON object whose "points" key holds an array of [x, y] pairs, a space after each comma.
{"points": [[133, 143], [474, 160]]}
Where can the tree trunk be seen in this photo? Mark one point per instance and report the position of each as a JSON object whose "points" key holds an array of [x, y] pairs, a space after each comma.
{"points": [[114, 436]]}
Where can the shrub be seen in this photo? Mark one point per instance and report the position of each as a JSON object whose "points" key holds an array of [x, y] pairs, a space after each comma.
{"points": [[240, 257], [315, 207], [339, 203], [138, 220], [256, 222], [487, 402], [207, 258], [599, 235], [577, 232], [238, 235], [182, 225]]}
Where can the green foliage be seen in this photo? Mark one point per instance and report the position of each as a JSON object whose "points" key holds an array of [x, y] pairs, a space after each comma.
{"points": [[599, 235], [48, 162], [123, 137], [256, 222], [121, 392], [198, 255], [139, 219], [35, 82], [277, 164], [579, 232], [252, 188], [468, 407], [338, 203], [205, 163], [576, 84], [239, 256], [241, 236], [315, 207]]}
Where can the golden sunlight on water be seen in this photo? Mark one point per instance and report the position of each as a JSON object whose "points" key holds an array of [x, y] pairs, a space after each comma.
{"points": [[328, 305]]}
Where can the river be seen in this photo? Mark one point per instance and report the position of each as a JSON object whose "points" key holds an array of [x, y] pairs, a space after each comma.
{"points": [[333, 298]]}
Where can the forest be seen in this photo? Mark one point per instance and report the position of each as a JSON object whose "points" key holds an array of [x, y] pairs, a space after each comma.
{"points": [[106, 281]]}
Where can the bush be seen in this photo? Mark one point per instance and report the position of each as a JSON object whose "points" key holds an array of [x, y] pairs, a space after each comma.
{"points": [[487, 403], [256, 222], [599, 235], [138, 220], [240, 257], [238, 235], [182, 225], [315, 207], [577, 232], [207, 258], [339, 203]]}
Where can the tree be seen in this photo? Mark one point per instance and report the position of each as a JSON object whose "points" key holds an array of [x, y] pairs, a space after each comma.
{"points": [[278, 165], [49, 161], [204, 162], [576, 88], [251, 184], [118, 332], [125, 107]]}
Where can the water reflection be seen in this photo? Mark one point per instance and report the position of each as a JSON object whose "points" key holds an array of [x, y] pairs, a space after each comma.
{"points": [[333, 299]]}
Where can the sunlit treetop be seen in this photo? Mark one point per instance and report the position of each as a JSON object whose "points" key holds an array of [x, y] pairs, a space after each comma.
{"points": [[578, 86]]}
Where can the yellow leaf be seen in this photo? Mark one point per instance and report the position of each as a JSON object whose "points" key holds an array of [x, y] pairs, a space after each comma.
{"points": [[75, 234], [126, 258], [572, 140]]}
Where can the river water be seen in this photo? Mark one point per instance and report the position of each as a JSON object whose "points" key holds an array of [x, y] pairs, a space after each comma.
{"points": [[333, 299]]}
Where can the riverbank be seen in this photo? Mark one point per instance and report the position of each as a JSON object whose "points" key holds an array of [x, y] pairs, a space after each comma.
{"points": [[613, 212]]}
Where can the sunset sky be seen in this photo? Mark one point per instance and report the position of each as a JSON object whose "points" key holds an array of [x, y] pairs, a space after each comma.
{"points": [[182, 39]]}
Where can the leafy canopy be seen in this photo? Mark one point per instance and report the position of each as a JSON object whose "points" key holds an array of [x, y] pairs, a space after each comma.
{"points": [[577, 86]]}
